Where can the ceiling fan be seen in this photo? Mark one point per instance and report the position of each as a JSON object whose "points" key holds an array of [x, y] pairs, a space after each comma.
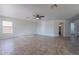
{"points": [[37, 16], [54, 5]]}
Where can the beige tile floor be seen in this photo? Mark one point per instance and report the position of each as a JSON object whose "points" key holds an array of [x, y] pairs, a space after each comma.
{"points": [[39, 45]]}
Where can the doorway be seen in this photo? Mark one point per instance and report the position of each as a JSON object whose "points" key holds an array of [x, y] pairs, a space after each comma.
{"points": [[60, 29]]}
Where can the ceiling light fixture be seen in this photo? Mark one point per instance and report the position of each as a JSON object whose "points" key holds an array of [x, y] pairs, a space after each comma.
{"points": [[37, 18]]}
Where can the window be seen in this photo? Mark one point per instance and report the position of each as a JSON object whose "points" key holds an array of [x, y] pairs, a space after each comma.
{"points": [[72, 28], [7, 27]]}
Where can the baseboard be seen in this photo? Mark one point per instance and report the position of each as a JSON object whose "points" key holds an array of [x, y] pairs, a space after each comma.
{"points": [[46, 35], [50, 35], [16, 36]]}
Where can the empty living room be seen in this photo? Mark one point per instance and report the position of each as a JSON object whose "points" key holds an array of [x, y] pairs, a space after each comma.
{"points": [[39, 29]]}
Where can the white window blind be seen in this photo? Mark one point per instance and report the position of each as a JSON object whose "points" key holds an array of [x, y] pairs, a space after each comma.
{"points": [[7, 27]]}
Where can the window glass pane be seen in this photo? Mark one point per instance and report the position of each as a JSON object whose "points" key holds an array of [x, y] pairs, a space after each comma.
{"points": [[7, 27], [72, 28], [7, 23]]}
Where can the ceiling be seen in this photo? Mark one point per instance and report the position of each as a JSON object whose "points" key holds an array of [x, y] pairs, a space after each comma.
{"points": [[26, 11]]}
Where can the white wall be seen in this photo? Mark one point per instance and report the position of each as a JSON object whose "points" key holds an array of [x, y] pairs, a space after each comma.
{"points": [[20, 27], [24, 27], [50, 27], [42, 27]]}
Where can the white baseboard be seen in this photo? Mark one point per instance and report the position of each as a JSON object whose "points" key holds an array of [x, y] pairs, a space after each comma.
{"points": [[47, 35], [14, 36], [31, 35]]}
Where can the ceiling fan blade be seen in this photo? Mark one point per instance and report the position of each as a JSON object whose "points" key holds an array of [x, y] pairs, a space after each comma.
{"points": [[37, 16], [42, 16]]}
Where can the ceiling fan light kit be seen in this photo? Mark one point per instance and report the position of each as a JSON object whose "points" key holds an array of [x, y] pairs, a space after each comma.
{"points": [[37, 18]]}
